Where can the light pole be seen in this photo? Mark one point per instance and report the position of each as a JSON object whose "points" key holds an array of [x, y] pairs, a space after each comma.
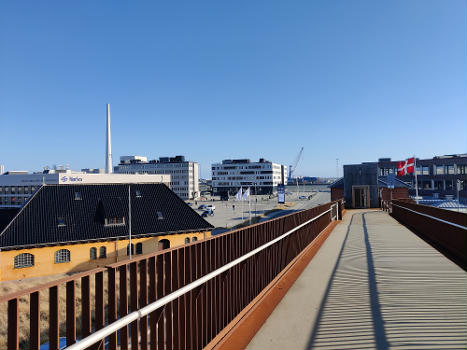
{"points": [[129, 221], [458, 185]]}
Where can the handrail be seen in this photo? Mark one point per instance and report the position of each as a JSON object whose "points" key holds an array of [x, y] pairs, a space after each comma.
{"points": [[431, 217], [146, 310]]}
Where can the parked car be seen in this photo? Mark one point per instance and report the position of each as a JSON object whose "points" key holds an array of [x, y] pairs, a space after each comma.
{"points": [[206, 213], [302, 197], [211, 207], [202, 207]]}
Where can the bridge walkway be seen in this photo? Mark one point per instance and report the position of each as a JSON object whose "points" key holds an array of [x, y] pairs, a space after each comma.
{"points": [[373, 285]]}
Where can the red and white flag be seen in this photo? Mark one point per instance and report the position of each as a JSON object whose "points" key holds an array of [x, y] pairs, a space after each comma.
{"points": [[406, 167]]}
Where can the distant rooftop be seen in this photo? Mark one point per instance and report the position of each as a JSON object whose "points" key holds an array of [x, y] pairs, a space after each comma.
{"points": [[243, 161], [143, 160]]}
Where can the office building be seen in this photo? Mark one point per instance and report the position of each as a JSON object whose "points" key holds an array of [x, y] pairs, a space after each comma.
{"points": [[16, 187], [262, 177], [184, 174]]}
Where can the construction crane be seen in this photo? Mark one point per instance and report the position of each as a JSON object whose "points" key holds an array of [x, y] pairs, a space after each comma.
{"points": [[293, 167]]}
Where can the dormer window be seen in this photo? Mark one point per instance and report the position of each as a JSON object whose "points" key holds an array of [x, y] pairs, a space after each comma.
{"points": [[78, 196], [138, 194], [115, 221], [160, 216], [61, 221]]}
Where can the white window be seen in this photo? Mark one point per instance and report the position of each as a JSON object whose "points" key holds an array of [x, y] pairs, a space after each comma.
{"points": [[62, 256], [23, 260]]}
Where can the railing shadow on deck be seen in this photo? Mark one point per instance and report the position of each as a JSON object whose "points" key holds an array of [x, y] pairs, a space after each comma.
{"points": [[371, 302], [331, 327]]}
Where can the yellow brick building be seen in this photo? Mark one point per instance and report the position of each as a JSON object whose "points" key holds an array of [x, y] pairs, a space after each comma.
{"points": [[64, 229]]}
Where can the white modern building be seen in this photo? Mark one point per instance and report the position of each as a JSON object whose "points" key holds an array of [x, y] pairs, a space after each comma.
{"points": [[17, 186], [262, 177], [184, 174]]}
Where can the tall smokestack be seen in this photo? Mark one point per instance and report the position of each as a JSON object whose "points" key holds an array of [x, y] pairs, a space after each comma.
{"points": [[108, 158]]}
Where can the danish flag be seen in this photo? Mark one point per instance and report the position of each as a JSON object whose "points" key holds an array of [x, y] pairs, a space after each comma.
{"points": [[406, 167]]}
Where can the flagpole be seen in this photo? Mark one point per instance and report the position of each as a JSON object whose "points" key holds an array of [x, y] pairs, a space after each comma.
{"points": [[241, 200], [416, 179], [249, 204], [377, 192]]}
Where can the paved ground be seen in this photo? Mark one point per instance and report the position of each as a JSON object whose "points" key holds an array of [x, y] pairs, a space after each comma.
{"points": [[372, 285], [226, 216]]}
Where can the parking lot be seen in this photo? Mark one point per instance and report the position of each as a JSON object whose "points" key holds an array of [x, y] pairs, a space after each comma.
{"points": [[228, 214]]}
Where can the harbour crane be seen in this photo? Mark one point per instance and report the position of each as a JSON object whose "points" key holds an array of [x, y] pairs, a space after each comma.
{"points": [[293, 167]]}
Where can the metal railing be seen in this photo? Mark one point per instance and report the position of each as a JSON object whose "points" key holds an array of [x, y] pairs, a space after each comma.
{"points": [[179, 298], [445, 229]]}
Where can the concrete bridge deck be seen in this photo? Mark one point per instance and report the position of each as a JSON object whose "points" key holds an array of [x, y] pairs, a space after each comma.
{"points": [[373, 285]]}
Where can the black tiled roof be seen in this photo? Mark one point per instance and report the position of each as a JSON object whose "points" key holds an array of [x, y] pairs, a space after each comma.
{"points": [[84, 219], [6, 215]]}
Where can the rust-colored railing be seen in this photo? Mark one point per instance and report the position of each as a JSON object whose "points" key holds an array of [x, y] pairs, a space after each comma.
{"points": [[445, 229], [83, 303]]}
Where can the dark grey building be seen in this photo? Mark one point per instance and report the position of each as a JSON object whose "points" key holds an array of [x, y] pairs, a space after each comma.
{"points": [[442, 177], [438, 177], [360, 189]]}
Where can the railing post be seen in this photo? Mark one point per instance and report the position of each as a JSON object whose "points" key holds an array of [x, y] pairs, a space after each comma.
{"points": [[53, 318], [70, 313], [13, 341], [34, 321]]}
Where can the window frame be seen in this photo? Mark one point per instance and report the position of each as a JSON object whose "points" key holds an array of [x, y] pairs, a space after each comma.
{"points": [[28, 261], [61, 221], [116, 221], [139, 248], [93, 253], [62, 256], [102, 252]]}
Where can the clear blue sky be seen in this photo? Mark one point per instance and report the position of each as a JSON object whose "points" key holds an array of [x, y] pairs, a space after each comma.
{"points": [[354, 80]]}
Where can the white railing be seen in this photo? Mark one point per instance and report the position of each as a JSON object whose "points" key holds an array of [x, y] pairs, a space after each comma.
{"points": [[431, 217]]}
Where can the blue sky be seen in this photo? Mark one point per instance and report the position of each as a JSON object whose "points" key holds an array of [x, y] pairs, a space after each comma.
{"points": [[354, 80]]}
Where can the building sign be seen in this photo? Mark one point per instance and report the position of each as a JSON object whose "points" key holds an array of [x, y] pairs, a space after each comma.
{"points": [[281, 194], [71, 178]]}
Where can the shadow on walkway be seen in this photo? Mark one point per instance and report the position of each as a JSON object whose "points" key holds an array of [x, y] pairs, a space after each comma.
{"points": [[390, 290]]}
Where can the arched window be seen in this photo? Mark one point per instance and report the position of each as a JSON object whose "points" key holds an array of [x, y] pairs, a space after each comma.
{"points": [[139, 248], [62, 256], [195, 239], [93, 253], [164, 244], [102, 252], [24, 260], [187, 240], [132, 249]]}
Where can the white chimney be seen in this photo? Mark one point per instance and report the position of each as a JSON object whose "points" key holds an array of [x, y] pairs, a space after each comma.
{"points": [[108, 158]]}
